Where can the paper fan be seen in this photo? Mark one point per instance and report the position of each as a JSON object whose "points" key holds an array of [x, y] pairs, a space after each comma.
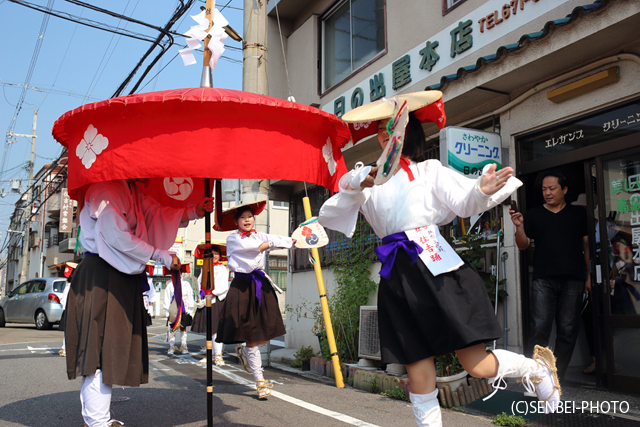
{"points": [[390, 157], [310, 234]]}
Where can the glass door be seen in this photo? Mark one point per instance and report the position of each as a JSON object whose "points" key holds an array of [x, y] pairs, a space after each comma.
{"points": [[617, 262]]}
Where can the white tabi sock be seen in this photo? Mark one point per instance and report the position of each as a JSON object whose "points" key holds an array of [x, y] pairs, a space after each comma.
{"points": [[255, 362], [217, 346], [426, 409], [95, 398]]}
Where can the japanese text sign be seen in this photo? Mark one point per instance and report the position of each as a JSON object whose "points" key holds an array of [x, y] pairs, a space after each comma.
{"points": [[66, 212], [468, 150]]}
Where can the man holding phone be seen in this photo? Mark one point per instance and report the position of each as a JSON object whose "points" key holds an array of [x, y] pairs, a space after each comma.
{"points": [[560, 266]]}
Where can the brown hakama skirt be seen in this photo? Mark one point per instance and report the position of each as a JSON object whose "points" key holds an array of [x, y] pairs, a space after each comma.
{"points": [[106, 325], [199, 324], [244, 320]]}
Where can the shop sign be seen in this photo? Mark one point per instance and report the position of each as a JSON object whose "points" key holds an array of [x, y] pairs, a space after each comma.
{"points": [[457, 43], [592, 130], [178, 249], [66, 212], [469, 150]]}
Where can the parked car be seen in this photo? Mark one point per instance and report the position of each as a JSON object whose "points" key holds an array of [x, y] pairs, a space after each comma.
{"points": [[35, 301]]}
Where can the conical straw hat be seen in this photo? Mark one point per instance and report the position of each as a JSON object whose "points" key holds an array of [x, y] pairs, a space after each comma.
{"points": [[383, 108]]}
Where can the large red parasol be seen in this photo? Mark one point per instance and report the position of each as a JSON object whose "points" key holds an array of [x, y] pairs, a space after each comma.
{"points": [[176, 136]]}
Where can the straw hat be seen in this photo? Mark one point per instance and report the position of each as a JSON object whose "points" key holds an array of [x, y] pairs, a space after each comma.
{"points": [[383, 108], [221, 245], [227, 222]]}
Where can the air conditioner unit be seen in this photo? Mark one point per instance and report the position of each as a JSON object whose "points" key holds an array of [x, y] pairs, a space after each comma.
{"points": [[369, 342]]}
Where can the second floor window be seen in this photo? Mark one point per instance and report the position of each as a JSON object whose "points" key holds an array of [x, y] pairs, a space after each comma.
{"points": [[352, 34]]}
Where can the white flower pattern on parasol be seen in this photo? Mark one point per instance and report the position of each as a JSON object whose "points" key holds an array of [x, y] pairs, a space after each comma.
{"points": [[91, 145]]}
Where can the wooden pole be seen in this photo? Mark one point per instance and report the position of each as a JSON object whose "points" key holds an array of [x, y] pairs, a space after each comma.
{"points": [[207, 257], [325, 306]]}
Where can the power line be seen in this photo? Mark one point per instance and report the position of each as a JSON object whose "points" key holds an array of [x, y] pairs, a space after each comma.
{"points": [[65, 92], [89, 22], [23, 93]]}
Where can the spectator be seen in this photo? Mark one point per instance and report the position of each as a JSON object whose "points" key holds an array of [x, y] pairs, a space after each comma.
{"points": [[560, 261]]}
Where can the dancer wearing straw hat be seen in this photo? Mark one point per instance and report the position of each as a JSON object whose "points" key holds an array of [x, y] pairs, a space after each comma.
{"points": [[251, 312], [106, 333], [68, 272], [221, 279], [430, 302]]}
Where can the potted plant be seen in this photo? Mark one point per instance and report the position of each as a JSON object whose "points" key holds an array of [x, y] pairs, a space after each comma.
{"points": [[303, 357], [449, 371]]}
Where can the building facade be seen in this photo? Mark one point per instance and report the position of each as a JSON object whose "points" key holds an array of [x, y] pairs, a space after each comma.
{"points": [[557, 80]]}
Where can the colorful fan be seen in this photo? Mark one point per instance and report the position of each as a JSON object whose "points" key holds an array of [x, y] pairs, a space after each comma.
{"points": [[310, 234], [390, 157]]}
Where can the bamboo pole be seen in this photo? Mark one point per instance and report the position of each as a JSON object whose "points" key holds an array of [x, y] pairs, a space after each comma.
{"points": [[325, 306]]}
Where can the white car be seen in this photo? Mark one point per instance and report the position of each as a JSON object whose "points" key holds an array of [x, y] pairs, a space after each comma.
{"points": [[35, 301]]}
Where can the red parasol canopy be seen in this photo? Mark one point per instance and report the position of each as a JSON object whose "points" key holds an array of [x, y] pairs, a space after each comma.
{"points": [[177, 136]]}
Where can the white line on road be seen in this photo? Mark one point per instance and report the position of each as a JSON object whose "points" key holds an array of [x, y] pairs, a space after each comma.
{"points": [[251, 384], [32, 349], [306, 405]]}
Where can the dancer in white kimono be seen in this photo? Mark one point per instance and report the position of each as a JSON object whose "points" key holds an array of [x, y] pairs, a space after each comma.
{"points": [[431, 302]]}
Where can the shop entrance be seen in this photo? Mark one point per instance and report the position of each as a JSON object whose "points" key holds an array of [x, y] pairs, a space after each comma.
{"points": [[600, 154], [608, 187], [617, 201]]}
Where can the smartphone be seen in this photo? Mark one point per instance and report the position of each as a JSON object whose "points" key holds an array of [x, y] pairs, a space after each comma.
{"points": [[514, 206]]}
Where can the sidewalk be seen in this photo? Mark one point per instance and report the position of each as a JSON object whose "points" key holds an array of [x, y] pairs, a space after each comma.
{"points": [[592, 399]]}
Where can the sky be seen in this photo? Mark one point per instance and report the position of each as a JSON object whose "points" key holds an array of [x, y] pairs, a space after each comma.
{"points": [[77, 65]]}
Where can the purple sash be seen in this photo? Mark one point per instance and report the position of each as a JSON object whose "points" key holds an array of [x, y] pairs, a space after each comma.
{"points": [[257, 277], [389, 248]]}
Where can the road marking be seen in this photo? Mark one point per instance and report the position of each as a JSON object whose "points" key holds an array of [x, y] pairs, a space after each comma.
{"points": [[188, 358], [333, 414], [306, 405]]}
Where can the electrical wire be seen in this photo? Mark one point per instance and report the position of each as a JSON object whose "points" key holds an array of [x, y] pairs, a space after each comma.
{"points": [[89, 22], [23, 93], [178, 13], [61, 91]]}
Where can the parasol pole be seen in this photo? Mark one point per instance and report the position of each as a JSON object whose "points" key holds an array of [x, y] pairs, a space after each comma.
{"points": [[207, 257], [325, 305]]}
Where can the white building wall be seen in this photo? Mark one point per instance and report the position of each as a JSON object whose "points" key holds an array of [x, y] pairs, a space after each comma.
{"points": [[410, 24]]}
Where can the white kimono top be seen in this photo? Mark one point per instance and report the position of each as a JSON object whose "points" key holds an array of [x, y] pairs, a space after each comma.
{"points": [[244, 255], [435, 197], [124, 226], [221, 279], [187, 298]]}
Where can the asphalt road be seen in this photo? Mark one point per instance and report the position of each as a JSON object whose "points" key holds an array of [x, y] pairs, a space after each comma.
{"points": [[34, 391]]}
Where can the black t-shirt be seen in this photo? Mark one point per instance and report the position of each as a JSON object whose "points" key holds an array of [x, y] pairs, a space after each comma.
{"points": [[559, 249]]}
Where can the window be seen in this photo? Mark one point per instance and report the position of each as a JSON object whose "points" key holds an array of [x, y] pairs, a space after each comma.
{"points": [[447, 5], [280, 205], [353, 34], [58, 285], [279, 278]]}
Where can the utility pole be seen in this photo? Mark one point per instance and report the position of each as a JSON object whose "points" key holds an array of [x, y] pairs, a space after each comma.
{"points": [[24, 272], [254, 79]]}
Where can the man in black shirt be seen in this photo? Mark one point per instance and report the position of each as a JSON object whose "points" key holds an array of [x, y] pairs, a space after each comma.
{"points": [[560, 266]]}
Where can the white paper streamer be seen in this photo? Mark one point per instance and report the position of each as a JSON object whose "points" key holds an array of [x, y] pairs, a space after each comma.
{"points": [[187, 56], [198, 33]]}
